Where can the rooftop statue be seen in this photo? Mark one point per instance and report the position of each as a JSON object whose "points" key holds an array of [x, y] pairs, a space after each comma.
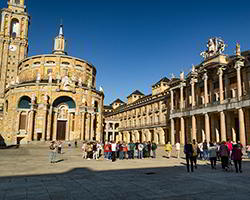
{"points": [[215, 46]]}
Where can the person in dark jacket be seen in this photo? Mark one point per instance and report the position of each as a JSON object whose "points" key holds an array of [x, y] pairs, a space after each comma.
{"points": [[224, 153], [188, 150], [237, 157]]}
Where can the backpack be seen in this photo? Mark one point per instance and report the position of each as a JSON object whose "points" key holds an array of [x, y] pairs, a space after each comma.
{"points": [[52, 147]]}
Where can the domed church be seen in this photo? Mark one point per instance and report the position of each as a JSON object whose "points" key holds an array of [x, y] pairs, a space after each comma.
{"points": [[44, 97]]}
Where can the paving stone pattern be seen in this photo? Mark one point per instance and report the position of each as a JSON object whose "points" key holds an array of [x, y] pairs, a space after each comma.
{"points": [[25, 173]]}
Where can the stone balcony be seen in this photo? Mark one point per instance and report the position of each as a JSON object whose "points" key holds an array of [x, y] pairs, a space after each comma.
{"points": [[216, 106]]}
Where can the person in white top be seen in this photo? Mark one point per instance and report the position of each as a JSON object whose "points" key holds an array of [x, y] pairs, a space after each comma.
{"points": [[113, 148], [177, 148]]}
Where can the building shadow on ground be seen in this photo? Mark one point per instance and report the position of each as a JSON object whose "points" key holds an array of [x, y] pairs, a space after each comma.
{"points": [[143, 183]]}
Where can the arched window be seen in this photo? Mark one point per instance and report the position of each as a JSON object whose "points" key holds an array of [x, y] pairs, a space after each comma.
{"points": [[17, 1], [96, 106], [24, 103], [66, 100], [15, 28]]}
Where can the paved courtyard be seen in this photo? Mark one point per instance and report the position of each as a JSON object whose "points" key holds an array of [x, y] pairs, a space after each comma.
{"points": [[25, 173]]}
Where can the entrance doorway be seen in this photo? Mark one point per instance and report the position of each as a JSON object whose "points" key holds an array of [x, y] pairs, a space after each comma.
{"points": [[61, 130]]}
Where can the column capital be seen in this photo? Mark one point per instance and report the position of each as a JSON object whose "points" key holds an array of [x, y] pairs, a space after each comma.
{"points": [[238, 64], [220, 71], [205, 76]]}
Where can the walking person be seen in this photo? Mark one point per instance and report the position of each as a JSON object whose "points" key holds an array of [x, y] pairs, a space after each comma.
{"points": [[168, 149], [205, 150], [212, 152], [195, 153], [84, 150], [154, 147], [237, 157], [224, 153], [178, 149], [113, 148], [188, 150], [53, 150]]}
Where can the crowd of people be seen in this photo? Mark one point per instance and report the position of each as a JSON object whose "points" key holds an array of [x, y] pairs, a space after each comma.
{"points": [[119, 150], [226, 152]]}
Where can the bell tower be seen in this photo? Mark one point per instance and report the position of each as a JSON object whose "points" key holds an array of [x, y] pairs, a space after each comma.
{"points": [[14, 24]]}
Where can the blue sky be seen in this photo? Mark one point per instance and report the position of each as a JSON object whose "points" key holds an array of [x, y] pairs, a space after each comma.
{"points": [[134, 43]]}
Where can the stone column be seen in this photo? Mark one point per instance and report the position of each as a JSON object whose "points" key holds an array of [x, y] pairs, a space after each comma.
{"points": [[238, 66], [205, 77], [172, 132], [44, 123], [87, 136], [220, 73], [223, 126], [172, 99], [82, 126], [54, 134], [182, 135], [242, 127], [207, 127], [194, 130], [192, 92], [31, 123], [49, 125]]}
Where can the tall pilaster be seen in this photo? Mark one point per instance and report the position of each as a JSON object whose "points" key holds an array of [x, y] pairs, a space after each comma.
{"points": [[194, 129], [223, 126], [172, 100], [54, 134], [181, 97], [207, 127], [82, 126], [182, 135], [205, 77], [242, 127], [172, 132], [238, 66], [192, 92], [220, 73]]}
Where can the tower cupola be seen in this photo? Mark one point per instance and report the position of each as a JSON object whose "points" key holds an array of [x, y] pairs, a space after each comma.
{"points": [[60, 42], [17, 5]]}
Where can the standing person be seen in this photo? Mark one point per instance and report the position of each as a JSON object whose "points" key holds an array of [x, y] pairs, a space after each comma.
{"points": [[121, 152], [178, 149], [113, 148], [136, 149], [224, 153], [132, 150], [149, 149], [59, 147], [188, 150], [84, 150], [109, 151], [230, 148], [53, 149], [205, 149], [125, 150], [200, 145], [145, 150], [237, 157], [129, 150], [140, 150], [195, 153], [75, 143], [154, 147], [168, 149], [99, 149], [106, 150], [212, 152]]}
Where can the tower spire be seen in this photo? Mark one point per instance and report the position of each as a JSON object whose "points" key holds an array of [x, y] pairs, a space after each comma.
{"points": [[59, 42]]}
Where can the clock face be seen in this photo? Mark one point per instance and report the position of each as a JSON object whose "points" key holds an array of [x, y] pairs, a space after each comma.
{"points": [[12, 48]]}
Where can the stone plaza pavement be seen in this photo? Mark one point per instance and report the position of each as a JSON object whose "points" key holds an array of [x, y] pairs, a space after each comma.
{"points": [[25, 173]]}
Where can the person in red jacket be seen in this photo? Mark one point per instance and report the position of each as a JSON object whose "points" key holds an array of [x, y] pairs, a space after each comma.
{"points": [[237, 157]]}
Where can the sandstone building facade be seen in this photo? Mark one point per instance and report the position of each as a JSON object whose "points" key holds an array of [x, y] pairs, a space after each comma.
{"points": [[44, 97], [142, 118], [211, 103]]}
